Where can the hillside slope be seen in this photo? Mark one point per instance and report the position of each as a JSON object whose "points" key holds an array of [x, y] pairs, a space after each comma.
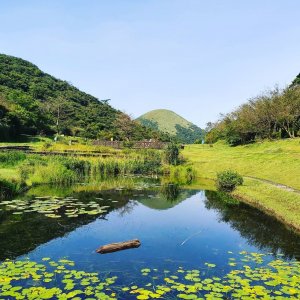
{"points": [[265, 166], [168, 121], [33, 102]]}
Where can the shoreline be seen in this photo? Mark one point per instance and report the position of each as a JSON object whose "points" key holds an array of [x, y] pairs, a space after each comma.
{"points": [[241, 193]]}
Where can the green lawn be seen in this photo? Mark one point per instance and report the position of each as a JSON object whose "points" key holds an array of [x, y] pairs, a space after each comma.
{"points": [[277, 161]]}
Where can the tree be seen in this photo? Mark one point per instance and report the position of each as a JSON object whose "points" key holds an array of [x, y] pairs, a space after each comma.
{"points": [[61, 111], [124, 127], [273, 114]]}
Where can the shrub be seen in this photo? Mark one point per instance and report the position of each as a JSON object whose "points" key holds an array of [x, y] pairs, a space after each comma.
{"points": [[228, 180], [171, 155]]}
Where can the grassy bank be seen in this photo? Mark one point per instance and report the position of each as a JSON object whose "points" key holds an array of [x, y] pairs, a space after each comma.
{"points": [[276, 161], [36, 169], [27, 169]]}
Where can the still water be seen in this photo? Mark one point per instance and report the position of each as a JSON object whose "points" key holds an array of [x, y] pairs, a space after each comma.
{"points": [[178, 228]]}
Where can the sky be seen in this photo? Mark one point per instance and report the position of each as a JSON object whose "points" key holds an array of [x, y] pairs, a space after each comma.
{"points": [[198, 58]]}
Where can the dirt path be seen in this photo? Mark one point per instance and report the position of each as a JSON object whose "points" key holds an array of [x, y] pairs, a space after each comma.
{"points": [[278, 185]]}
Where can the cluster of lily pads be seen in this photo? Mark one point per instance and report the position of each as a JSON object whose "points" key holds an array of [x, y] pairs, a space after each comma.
{"points": [[51, 280], [251, 279], [54, 207], [276, 280]]}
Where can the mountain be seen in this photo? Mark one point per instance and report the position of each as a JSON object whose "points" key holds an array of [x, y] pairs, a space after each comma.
{"points": [[169, 122], [33, 102]]}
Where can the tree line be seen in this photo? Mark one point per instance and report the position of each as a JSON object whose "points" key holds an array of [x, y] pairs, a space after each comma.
{"points": [[33, 102], [273, 114]]}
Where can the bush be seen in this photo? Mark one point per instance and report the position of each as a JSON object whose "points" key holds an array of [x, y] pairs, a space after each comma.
{"points": [[171, 155], [228, 180]]}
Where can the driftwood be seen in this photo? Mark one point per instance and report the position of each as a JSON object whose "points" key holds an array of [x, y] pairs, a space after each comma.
{"points": [[118, 246]]}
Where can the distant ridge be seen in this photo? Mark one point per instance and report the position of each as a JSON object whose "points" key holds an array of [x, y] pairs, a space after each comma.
{"points": [[33, 102], [168, 121]]}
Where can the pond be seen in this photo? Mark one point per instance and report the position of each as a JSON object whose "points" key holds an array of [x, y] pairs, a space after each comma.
{"points": [[194, 243]]}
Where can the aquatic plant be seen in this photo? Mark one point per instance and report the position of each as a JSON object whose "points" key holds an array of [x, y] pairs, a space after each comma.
{"points": [[51, 280], [53, 207], [248, 277]]}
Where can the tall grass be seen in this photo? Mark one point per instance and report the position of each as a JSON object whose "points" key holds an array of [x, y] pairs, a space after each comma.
{"points": [[114, 167], [62, 170], [9, 189], [183, 174], [11, 158], [53, 173], [68, 170]]}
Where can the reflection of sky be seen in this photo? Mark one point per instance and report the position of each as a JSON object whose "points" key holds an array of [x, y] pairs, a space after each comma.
{"points": [[187, 234]]}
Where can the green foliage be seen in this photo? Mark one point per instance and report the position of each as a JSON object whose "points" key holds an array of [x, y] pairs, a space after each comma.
{"points": [[149, 164], [35, 169], [170, 191], [53, 172], [53, 207], [182, 174], [188, 135], [274, 114], [9, 189], [11, 158], [248, 277], [171, 154], [80, 167], [228, 180], [51, 280], [33, 102], [169, 122], [296, 81]]}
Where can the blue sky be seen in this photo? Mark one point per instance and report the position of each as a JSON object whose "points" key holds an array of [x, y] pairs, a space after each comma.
{"points": [[198, 58]]}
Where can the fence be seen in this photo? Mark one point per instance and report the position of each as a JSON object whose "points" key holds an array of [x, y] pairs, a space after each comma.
{"points": [[134, 145]]}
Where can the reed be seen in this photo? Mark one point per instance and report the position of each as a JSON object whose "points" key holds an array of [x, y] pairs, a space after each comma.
{"points": [[9, 189]]}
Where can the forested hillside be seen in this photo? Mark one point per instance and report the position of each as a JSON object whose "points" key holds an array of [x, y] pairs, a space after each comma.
{"points": [[169, 122], [33, 102], [272, 114]]}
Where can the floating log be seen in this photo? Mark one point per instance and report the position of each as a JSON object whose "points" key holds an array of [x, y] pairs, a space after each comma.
{"points": [[118, 246]]}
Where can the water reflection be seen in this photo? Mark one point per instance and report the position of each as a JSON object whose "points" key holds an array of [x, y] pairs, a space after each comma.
{"points": [[261, 230], [20, 234]]}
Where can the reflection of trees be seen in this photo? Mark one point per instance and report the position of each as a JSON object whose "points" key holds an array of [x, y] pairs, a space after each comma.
{"points": [[127, 208], [170, 191], [261, 230], [20, 234]]}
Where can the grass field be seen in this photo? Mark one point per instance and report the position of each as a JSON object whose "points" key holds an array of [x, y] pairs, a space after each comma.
{"points": [[276, 161]]}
